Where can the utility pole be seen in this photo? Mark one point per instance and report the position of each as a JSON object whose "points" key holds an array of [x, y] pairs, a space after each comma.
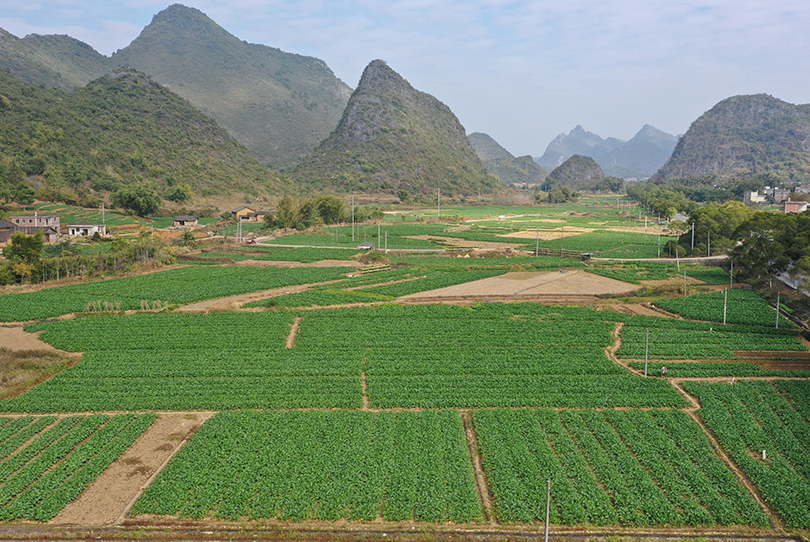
{"points": [[709, 247], [731, 275], [378, 236], [692, 250], [537, 245], [439, 203], [777, 309], [646, 350], [562, 238], [684, 281], [352, 218], [548, 508]]}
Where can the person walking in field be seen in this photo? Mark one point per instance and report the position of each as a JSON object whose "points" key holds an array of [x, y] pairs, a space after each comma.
{"points": [[663, 370]]}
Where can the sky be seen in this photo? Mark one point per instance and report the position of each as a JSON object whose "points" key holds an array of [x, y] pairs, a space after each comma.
{"points": [[522, 71]]}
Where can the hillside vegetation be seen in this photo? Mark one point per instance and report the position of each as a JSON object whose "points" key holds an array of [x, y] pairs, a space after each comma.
{"points": [[279, 105], [502, 164], [745, 136], [393, 137], [118, 130]]}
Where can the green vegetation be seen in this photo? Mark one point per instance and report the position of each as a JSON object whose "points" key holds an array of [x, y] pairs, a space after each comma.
{"points": [[681, 339], [120, 130], [742, 307], [184, 285], [609, 467], [578, 173], [58, 460], [751, 417], [394, 137], [321, 465]]}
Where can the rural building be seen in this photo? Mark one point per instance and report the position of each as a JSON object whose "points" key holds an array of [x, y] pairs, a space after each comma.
{"points": [[754, 197], [680, 216], [31, 224], [181, 221], [86, 230], [37, 220], [803, 189], [778, 194], [241, 213], [795, 206], [258, 216], [368, 245]]}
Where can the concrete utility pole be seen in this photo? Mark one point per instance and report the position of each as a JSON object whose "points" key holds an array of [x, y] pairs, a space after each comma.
{"points": [[692, 250], [646, 350], [352, 218], [725, 304], [537, 245], [777, 309], [548, 508]]}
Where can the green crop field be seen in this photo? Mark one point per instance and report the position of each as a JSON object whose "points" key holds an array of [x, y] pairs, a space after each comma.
{"points": [[47, 463], [742, 307], [609, 467], [184, 285], [750, 417], [321, 465]]}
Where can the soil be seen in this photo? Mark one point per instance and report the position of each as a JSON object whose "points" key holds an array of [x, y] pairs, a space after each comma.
{"points": [[530, 285], [15, 338], [463, 243], [107, 500]]}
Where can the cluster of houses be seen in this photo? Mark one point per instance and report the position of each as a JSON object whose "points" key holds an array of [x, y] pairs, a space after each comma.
{"points": [[50, 225], [779, 195]]}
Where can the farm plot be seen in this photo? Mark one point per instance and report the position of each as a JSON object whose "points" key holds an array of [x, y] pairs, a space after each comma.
{"points": [[680, 339], [190, 362], [611, 244], [321, 465], [743, 307], [750, 417], [484, 356], [608, 467], [184, 285], [45, 465]]}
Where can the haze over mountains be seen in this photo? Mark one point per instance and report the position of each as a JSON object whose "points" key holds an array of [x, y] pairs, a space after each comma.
{"points": [[640, 157], [522, 170]]}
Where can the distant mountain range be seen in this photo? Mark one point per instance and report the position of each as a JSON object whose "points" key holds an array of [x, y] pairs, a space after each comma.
{"points": [[640, 157], [393, 137], [745, 136], [522, 170], [280, 105]]}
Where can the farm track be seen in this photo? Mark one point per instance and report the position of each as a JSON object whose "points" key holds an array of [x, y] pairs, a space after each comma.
{"points": [[478, 469]]}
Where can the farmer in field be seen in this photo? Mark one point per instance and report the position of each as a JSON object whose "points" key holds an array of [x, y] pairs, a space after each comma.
{"points": [[663, 370]]}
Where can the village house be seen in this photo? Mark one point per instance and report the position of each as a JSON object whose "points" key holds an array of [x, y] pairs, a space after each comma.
{"points": [[754, 197], [184, 221], [31, 224], [86, 230], [241, 213], [795, 206]]}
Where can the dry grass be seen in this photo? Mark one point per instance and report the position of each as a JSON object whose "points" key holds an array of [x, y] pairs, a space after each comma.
{"points": [[20, 369]]}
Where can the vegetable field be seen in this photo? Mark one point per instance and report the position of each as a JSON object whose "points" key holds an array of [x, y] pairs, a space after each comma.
{"points": [[397, 466], [607, 467], [46, 463], [184, 285], [750, 417], [742, 307]]}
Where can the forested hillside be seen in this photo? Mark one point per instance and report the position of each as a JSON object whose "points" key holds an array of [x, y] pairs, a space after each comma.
{"points": [[118, 130]]}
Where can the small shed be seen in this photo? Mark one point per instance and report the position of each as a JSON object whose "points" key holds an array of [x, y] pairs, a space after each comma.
{"points": [[368, 245], [86, 230], [182, 221]]}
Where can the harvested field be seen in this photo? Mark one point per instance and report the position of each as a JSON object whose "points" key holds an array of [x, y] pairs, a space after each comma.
{"points": [[523, 285]]}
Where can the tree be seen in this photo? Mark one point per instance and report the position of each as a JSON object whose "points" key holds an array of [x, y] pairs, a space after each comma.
{"points": [[331, 209], [179, 193], [292, 213], [139, 199], [25, 248]]}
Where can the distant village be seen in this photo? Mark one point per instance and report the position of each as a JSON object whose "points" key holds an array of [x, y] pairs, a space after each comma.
{"points": [[53, 229]]}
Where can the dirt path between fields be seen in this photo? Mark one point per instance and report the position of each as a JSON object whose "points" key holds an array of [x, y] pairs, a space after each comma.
{"points": [[293, 332], [236, 301], [478, 469], [107, 500]]}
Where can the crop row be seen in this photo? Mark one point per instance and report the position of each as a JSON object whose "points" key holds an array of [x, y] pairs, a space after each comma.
{"points": [[751, 417], [742, 307], [321, 465], [184, 285], [41, 478], [608, 467]]}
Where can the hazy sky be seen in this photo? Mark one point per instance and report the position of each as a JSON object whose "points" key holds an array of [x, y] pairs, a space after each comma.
{"points": [[521, 71]]}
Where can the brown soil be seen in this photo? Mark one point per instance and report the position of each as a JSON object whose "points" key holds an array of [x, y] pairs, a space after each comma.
{"points": [[15, 338], [108, 499], [293, 332], [463, 243], [480, 475], [530, 285]]}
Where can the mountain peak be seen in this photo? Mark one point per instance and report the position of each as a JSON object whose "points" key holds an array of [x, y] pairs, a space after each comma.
{"points": [[391, 137]]}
